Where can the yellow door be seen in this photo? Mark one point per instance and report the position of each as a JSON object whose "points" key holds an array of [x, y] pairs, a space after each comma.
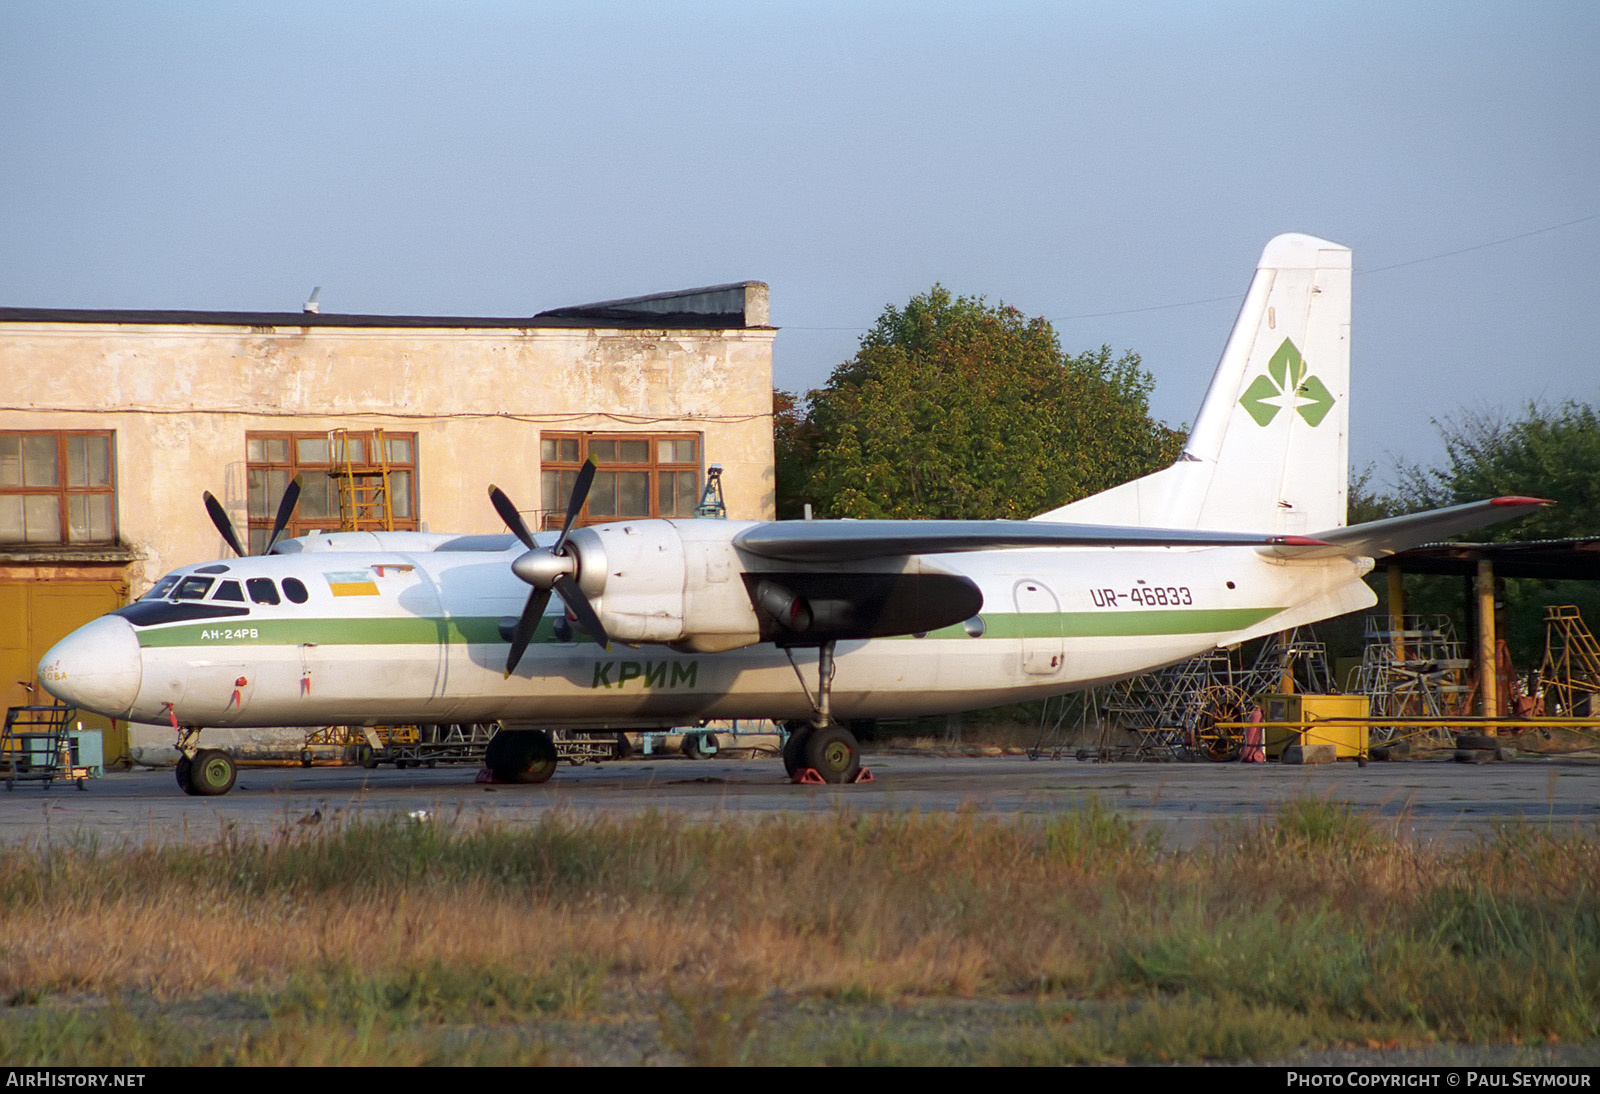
{"points": [[35, 615]]}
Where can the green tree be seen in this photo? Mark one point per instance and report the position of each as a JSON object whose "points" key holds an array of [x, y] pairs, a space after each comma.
{"points": [[1547, 452], [1365, 502], [955, 408], [794, 440]]}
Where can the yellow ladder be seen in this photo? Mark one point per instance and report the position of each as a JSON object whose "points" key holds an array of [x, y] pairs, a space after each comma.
{"points": [[364, 500], [1569, 678]]}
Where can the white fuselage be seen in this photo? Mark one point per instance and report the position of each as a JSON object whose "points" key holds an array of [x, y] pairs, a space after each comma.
{"points": [[402, 637]]}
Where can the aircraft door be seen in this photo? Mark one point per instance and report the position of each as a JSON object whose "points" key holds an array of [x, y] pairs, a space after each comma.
{"points": [[1039, 616]]}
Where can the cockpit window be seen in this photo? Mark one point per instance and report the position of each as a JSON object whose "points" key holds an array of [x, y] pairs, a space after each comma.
{"points": [[228, 590], [193, 588], [162, 588], [262, 590], [294, 589]]}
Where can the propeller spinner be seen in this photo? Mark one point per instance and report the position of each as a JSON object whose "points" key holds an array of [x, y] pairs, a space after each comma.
{"points": [[219, 517], [549, 569]]}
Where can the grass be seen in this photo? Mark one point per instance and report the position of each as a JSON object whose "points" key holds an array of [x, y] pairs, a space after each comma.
{"points": [[884, 939]]}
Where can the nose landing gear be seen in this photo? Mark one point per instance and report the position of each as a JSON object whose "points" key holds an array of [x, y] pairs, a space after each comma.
{"points": [[208, 773]]}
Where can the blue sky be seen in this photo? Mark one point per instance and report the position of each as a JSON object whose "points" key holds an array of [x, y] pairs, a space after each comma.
{"points": [[1071, 159]]}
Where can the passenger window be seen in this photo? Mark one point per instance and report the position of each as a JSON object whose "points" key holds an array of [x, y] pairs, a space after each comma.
{"points": [[262, 590], [162, 588], [193, 588], [228, 590], [294, 590]]}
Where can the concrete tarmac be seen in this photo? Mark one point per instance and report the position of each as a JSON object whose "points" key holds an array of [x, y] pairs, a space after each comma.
{"points": [[1434, 801]]}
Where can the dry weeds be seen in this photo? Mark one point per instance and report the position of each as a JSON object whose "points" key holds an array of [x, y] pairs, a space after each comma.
{"points": [[790, 940]]}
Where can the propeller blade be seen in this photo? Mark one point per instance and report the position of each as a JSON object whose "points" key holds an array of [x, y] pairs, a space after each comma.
{"points": [[219, 517], [578, 604], [537, 566], [508, 513], [580, 494], [291, 494], [527, 623]]}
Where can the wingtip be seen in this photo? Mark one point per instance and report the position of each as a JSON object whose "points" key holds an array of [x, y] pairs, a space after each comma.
{"points": [[1520, 499]]}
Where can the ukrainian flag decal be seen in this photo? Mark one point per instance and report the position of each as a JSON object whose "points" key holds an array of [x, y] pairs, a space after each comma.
{"points": [[352, 583]]}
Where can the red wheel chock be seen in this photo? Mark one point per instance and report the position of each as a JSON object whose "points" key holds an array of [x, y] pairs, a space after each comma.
{"points": [[808, 776]]}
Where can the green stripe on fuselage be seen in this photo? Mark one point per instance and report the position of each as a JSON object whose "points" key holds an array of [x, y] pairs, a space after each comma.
{"points": [[1113, 624], [404, 631], [480, 630]]}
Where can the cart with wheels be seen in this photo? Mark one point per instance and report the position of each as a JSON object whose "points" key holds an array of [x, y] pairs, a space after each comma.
{"points": [[36, 746]]}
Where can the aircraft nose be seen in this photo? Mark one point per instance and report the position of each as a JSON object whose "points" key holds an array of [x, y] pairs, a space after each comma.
{"points": [[96, 667]]}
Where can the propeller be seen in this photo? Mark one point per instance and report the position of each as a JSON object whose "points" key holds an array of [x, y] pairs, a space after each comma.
{"points": [[549, 569], [219, 517]]}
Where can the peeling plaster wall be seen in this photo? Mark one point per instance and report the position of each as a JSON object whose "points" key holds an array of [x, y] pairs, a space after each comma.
{"points": [[182, 397]]}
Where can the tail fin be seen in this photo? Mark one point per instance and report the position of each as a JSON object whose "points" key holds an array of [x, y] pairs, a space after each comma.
{"points": [[1269, 452]]}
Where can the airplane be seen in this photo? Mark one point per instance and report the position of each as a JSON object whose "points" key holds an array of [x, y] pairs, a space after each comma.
{"points": [[662, 623]]}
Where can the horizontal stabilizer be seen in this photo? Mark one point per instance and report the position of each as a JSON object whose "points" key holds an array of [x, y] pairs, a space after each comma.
{"points": [[858, 540], [1379, 538]]}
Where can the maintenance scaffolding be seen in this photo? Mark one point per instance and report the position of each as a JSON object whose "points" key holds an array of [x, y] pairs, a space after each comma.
{"points": [[1414, 666], [1173, 714], [1569, 676]]}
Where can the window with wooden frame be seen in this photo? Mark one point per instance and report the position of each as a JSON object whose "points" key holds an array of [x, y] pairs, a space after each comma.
{"points": [[636, 475], [58, 487], [272, 460]]}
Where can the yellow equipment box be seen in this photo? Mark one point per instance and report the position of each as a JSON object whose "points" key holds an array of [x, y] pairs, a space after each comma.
{"points": [[1304, 720]]}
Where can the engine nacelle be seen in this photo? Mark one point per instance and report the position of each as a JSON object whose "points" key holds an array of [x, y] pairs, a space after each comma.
{"points": [[684, 584], [675, 582]]}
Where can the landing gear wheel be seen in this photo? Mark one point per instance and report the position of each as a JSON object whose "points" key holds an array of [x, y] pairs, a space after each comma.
{"points": [[521, 756], [834, 754], [794, 749], [185, 773], [699, 746], [212, 773]]}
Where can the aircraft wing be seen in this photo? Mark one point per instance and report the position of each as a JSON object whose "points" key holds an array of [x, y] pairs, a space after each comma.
{"points": [[1379, 538], [858, 540]]}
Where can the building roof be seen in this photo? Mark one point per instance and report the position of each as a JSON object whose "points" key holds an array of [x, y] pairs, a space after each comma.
{"points": [[735, 306], [1550, 559]]}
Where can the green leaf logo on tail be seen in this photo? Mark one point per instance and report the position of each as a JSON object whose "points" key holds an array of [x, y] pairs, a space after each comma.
{"points": [[1285, 383]]}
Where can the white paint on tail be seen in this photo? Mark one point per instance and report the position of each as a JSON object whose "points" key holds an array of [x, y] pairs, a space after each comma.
{"points": [[1269, 451]]}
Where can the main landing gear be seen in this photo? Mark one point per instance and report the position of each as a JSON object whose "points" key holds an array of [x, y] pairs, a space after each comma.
{"points": [[830, 752], [521, 756], [822, 751]]}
